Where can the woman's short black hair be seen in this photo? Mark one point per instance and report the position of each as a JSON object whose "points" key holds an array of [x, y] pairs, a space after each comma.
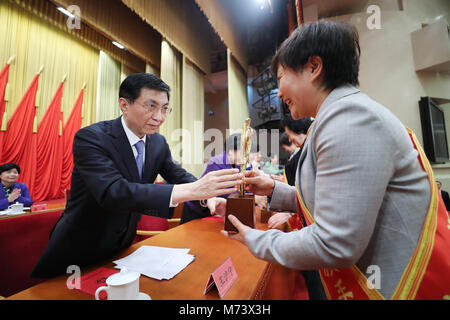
{"points": [[233, 142], [130, 89], [336, 43], [9, 166]]}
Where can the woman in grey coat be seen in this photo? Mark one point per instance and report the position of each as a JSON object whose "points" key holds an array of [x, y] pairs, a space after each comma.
{"points": [[359, 181]]}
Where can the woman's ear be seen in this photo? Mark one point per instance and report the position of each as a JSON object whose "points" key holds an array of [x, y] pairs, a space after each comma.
{"points": [[315, 66]]}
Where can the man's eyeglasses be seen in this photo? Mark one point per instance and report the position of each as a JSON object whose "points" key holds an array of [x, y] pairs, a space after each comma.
{"points": [[152, 108]]}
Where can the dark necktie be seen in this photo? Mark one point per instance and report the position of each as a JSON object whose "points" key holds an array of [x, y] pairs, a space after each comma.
{"points": [[140, 156]]}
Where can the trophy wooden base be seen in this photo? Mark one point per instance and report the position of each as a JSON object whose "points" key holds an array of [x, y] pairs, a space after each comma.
{"points": [[241, 208]]}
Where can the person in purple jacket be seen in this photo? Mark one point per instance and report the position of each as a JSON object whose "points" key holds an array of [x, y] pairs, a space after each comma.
{"points": [[12, 191], [228, 159]]}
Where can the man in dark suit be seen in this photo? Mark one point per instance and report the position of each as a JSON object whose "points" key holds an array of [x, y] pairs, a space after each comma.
{"points": [[116, 163], [444, 195], [292, 150]]}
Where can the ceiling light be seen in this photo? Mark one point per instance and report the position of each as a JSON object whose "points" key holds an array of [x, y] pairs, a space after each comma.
{"points": [[67, 13], [118, 45]]}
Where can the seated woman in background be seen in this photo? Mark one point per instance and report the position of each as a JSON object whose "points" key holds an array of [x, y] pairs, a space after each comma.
{"points": [[230, 158], [12, 191]]}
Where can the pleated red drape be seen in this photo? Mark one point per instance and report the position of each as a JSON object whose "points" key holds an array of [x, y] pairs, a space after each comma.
{"points": [[49, 156], [19, 141], [73, 124], [3, 82]]}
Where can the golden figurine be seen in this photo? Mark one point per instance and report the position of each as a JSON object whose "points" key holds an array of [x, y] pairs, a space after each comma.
{"points": [[246, 144], [242, 205]]}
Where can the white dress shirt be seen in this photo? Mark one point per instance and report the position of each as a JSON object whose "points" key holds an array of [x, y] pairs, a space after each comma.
{"points": [[133, 139]]}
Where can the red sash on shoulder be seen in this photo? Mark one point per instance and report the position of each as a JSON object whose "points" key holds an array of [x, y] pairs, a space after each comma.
{"points": [[294, 223], [427, 275]]}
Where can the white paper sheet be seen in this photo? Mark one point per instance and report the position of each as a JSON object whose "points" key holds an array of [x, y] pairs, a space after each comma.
{"points": [[159, 263]]}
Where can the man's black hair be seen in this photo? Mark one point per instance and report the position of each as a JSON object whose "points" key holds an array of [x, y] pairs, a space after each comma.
{"points": [[284, 139], [297, 126], [336, 43], [130, 89]]}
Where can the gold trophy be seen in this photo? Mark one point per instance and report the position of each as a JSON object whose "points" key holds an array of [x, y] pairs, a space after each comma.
{"points": [[242, 205]]}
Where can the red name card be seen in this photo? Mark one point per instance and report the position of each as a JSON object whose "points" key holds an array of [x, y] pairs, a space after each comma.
{"points": [[90, 282], [38, 207], [222, 278]]}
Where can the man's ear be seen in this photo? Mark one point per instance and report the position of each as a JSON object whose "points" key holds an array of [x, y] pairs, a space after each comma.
{"points": [[123, 103]]}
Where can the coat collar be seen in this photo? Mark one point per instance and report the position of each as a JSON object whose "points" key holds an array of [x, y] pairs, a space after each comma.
{"points": [[336, 94], [149, 158]]}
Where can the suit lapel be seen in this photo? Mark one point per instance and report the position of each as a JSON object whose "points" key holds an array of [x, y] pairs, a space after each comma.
{"points": [[302, 157], [124, 150], [147, 170], [305, 146], [303, 153]]}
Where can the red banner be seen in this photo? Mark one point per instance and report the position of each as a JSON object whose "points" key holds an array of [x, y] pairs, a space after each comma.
{"points": [[19, 141], [50, 151], [3, 82], [73, 124]]}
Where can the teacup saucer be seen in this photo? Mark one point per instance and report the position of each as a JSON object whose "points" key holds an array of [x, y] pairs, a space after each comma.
{"points": [[15, 213], [143, 296]]}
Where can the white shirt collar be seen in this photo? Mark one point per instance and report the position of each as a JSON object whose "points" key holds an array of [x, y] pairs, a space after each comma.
{"points": [[132, 138]]}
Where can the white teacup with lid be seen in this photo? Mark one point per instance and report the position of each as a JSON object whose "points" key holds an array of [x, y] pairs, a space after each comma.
{"points": [[123, 285], [16, 208]]}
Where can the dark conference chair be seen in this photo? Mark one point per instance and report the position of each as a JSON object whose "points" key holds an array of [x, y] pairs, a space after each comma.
{"points": [[22, 241]]}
